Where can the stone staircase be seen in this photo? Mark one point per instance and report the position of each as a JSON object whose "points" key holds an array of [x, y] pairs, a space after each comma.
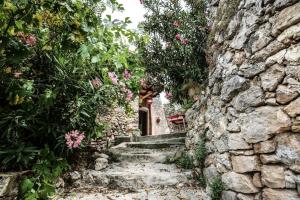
{"points": [[139, 171]]}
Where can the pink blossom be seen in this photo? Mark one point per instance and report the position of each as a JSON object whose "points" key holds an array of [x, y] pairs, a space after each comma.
{"points": [[176, 23], [178, 36], [31, 40], [168, 95], [127, 75], [129, 95], [113, 77], [142, 1], [196, 98], [74, 139], [96, 82], [17, 74], [184, 41]]}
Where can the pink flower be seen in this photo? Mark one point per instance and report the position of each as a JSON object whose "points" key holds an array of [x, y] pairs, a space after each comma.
{"points": [[31, 40], [168, 95], [178, 36], [176, 23], [184, 41], [74, 139], [96, 83], [17, 74], [129, 95], [127, 74], [142, 1], [196, 98], [113, 77]]}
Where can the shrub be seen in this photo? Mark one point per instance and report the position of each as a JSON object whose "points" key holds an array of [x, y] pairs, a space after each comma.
{"points": [[216, 188], [175, 53], [60, 63], [46, 171]]}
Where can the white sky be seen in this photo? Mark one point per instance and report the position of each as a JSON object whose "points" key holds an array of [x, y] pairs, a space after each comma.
{"points": [[134, 10]]}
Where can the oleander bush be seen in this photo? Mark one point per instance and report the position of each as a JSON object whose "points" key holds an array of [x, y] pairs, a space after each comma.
{"points": [[60, 63], [175, 53]]}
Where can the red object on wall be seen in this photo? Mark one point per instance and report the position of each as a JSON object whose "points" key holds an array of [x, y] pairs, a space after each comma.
{"points": [[157, 120], [176, 119]]}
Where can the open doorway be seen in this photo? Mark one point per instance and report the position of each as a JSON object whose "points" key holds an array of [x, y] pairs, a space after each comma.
{"points": [[144, 121]]}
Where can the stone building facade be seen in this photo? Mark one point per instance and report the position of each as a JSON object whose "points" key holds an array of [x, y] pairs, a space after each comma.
{"points": [[159, 121], [250, 112]]}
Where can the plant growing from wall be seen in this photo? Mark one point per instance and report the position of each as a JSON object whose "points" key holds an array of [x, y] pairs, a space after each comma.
{"points": [[185, 161], [175, 53], [216, 188], [201, 152], [200, 155]]}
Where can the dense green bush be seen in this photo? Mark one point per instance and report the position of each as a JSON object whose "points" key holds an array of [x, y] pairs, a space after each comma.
{"points": [[175, 54], [47, 169], [60, 63]]}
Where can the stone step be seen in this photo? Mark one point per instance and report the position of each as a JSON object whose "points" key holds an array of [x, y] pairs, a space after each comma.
{"points": [[166, 193], [156, 144], [121, 139], [144, 155], [134, 176], [159, 137]]}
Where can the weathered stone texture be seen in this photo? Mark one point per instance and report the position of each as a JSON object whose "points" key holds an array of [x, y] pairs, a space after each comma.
{"points": [[253, 103], [263, 123], [239, 183], [242, 164]]}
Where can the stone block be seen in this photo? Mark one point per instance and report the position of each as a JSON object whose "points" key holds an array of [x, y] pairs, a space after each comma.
{"points": [[268, 146], [239, 183], [101, 163], [236, 142], [285, 95], [286, 18], [280, 194], [273, 176], [252, 97], [9, 184], [269, 159], [272, 77], [229, 195], [292, 55], [288, 149], [263, 123], [232, 86], [293, 109], [243, 164], [257, 180]]}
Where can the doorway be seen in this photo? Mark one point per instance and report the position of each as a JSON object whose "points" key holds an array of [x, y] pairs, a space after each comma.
{"points": [[144, 121]]}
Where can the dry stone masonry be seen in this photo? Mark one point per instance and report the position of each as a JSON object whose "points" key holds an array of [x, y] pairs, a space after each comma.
{"points": [[250, 112]]}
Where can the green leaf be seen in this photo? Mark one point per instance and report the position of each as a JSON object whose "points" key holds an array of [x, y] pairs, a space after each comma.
{"points": [[19, 24], [26, 185], [95, 58]]}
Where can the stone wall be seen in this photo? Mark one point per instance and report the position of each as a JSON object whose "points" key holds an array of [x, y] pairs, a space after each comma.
{"points": [[250, 114], [117, 123]]}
